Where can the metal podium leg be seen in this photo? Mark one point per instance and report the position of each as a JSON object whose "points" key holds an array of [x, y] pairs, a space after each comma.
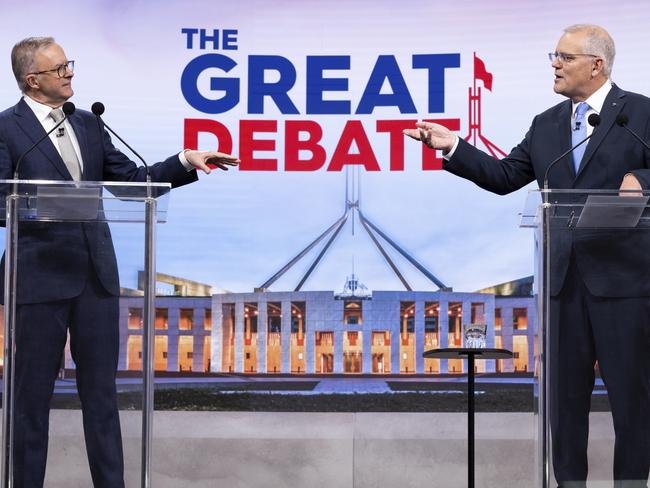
{"points": [[148, 341], [470, 420], [543, 444], [11, 258]]}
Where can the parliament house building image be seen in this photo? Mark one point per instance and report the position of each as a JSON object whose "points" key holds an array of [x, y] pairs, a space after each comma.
{"points": [[386, 332], [321, 332]]}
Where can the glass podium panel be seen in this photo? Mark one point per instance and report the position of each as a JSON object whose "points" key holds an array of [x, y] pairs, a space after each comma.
{"points": [[592, 287], [45, 223], [83, 201]]}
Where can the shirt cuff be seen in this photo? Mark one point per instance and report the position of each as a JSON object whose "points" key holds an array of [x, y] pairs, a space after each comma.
{"points": [[447, 156], [186, 164]]}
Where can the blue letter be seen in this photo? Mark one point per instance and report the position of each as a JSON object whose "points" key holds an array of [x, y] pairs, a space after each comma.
{"points": [[317, 84], [258, 89], [204, 38], [436, 64], [190, 36], [386, 68], [230, 86], [229, 41]]}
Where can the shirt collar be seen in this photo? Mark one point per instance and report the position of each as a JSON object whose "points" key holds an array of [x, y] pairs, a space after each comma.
{"points": [[41, 110], [597, 99]]}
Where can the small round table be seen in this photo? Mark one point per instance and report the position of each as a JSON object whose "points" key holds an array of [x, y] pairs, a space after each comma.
{"points": [[471, 354]]}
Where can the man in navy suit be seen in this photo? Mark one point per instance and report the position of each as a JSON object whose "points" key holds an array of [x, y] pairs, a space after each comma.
{"points": [[67, 272], [599, 285]]}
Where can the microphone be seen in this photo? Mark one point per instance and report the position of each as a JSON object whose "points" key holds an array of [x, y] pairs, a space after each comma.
{"points": [[594, 121], [68, 109], [622, 120], [98, 109]]}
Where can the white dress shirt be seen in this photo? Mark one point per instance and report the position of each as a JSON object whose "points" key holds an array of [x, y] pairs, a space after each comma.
{"points": [[595, 102], [42, 113]]}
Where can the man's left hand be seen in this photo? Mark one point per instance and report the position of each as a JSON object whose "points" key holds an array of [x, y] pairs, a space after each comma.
{"points": [[631, 183], [201, 159]]}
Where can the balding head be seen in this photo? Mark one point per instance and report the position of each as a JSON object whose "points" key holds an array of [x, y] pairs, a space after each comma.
{"points": [[598, 42]]}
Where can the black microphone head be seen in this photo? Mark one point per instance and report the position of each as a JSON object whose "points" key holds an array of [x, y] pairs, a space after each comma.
{"points": [[594, 120], [97, 108], [622, 119], [68, 108]]}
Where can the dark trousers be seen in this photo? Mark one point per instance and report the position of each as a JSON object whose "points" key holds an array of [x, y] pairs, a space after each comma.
{"points": [[92, 319], [616, 333]]}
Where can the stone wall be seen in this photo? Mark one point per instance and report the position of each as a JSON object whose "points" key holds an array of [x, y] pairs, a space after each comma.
{"points": [[312, 450]]}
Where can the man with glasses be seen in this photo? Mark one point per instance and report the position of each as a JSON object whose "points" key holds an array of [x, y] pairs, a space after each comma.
{"points": [[67, 272], [600, 309]]}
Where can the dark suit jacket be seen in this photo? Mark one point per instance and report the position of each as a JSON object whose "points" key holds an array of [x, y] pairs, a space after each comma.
{"points": [[611, 264], [54, 258]]}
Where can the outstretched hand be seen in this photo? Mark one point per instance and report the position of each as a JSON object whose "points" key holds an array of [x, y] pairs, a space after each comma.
{"points": [[435, 136], [201, 159]]}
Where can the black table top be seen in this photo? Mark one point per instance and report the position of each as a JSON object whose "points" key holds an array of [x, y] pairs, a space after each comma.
{"points": [[463, 352]]}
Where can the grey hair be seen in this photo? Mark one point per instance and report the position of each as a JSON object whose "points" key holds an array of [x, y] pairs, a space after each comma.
{"points": [[597, 42], [22, 57]]}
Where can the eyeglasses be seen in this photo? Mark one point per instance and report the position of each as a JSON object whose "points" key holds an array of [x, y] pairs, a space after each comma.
{"points": [[61, 70], [566, 57]]}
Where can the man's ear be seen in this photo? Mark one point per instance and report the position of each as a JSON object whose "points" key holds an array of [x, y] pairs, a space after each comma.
{"points": [[31, 81], [598, 66]]}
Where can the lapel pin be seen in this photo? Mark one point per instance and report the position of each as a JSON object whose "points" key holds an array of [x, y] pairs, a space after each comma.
{"points": [[613, 104]]}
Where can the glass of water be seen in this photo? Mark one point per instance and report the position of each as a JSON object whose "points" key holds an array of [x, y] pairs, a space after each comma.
{"points": [[475, 336]]}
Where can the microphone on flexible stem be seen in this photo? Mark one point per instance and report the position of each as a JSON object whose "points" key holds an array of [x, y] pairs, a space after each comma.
{"points": [[98, 108], [622, 120], [68, 109], [594, 121]]}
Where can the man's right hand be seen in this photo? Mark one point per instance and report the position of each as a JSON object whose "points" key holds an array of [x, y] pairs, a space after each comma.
{"points": [[435, 136]]}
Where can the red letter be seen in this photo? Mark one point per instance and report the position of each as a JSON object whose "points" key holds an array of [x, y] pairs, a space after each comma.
{"points": [[194, 126], [293, 145], [353, 132], [395, 128], [430, 158], [248, 145]]}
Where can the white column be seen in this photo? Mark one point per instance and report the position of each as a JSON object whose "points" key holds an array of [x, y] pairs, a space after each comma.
{"points": [[173, 317], [443, 325], [197, 346], [286, 337], [532, 329], [395, 347], [310, 337], [239, 337], [262, 341], [506, 337], [338, 351], [366, 365], [490, 366], [419, 336], [216, 337]]}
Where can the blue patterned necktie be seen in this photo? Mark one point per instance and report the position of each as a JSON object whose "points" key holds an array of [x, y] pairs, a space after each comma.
{"points": [[578, 133]]}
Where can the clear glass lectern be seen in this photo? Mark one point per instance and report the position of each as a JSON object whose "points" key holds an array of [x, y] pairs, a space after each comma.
{"points": [[603, 236], [56, 202]]}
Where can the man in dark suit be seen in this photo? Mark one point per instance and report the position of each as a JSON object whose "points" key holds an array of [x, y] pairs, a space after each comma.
{"points": [[600, 288], [67, 272]]}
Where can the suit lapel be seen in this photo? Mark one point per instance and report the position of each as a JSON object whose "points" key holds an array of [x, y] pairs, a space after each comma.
{"points": [[563, 128], [33, 129], [614, 103]]}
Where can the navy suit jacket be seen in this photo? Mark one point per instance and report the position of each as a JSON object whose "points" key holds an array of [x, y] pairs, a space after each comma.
{"points": [[54, 258], [611, 264]]}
